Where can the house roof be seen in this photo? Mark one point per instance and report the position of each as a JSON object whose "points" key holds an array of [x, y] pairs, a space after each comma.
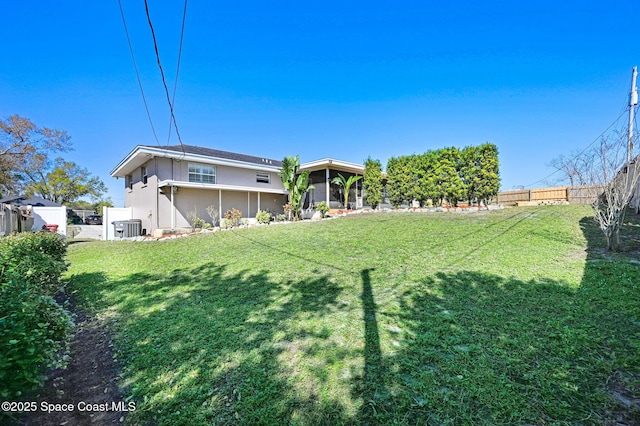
{"points": [[18, 200], [210, 152], [334, 164], [142, 153]]}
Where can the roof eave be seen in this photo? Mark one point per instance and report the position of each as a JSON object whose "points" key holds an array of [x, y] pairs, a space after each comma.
{"points": [[135, 158], [332, 163]]}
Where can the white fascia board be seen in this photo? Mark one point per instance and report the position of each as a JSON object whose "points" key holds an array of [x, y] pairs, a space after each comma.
{"points": [[141, 154], [132, 156], [216, 186], [333, 163]]}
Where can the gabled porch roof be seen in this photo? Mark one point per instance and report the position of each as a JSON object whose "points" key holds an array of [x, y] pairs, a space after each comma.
{"points": [[333, 164]]}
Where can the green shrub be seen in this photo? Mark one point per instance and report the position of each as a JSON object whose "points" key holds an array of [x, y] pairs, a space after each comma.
{"points": [[33, 327], [234, 216], [38, 257], [281, 217], [263, 217], [323, 208]]}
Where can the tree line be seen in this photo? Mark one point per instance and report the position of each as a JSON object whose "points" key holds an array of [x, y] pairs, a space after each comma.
{"points": [[30, 164], [445, 175]]}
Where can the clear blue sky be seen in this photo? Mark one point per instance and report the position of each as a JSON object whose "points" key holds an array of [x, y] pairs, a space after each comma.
{"points": [[318, 79]]}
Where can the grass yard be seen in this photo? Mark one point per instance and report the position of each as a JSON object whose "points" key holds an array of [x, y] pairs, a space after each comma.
{"points": [[509, 317]]}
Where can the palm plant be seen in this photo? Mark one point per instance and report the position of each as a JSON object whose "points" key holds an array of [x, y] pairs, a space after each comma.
{"points": [[296, 183], [346, 185]]}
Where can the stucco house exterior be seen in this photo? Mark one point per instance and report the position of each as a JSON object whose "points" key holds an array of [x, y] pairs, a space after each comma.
{"points": [[164, 183]]}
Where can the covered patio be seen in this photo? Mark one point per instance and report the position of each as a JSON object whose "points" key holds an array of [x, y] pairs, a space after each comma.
{"points": [[322, 172]]}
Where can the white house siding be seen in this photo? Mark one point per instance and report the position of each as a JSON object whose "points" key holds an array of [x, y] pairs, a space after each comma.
{"points": [[234, 200], [187, 200], [272, 202], [152, 202], [227, 175]]}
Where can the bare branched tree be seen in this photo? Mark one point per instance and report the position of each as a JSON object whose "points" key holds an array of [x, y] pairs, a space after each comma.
{"points": [[612, 183], [572, 168]]}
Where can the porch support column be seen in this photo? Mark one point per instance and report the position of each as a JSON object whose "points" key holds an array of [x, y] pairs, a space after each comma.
{"points": [[220, 204], [248, 204], [258, 201], [328, 185], [173, 210]]}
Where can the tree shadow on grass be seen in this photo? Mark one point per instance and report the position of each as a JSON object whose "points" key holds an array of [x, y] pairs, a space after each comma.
{"points": [[478, 348], [465, 347], [371, 387], [202, 346], [482, 349]]}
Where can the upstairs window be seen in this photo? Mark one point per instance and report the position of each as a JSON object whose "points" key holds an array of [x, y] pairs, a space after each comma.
{"points": [[263, 178], [143, 175], [128, 182], [201, 173]]}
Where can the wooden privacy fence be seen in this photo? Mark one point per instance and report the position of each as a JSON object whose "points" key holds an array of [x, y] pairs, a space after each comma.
{"points": [[570, 194], [13, 220]]}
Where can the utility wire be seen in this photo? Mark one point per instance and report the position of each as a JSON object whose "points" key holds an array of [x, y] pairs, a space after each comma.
{"points": [[175, 85], [164, 81], [135, 66], [583, 151]]}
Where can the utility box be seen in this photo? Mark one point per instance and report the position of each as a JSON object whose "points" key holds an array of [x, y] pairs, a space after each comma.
{"points": [[127, 228]]}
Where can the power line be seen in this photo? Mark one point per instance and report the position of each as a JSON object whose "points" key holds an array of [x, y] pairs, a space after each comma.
{"points": [[164, 81], [581, 152], [135, 66], [175, 85]]}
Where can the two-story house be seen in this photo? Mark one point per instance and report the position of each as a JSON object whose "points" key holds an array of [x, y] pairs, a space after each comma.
{"points": [[163, 184]]}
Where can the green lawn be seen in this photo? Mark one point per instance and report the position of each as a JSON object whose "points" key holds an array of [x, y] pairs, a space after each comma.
{"points": [[508, 317]]}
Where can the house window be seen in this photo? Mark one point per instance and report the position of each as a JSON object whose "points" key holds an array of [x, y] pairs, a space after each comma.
{"points": [[201, 173], [143, 175], [128, 182], [263, 178]]}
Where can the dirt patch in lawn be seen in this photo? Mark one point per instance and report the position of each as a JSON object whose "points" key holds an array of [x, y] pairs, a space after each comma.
{"points": [[623, 388], [89, 382]]}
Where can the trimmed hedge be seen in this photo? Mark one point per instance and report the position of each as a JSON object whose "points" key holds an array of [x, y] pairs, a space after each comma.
{"points": [[33, 326]]}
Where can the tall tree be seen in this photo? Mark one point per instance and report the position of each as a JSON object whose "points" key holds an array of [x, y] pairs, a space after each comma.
{"points": [[103, 202], [449, 170], [399, 180], [424, 180], [480, 172], [294, 181], [25, 148], [487, 179], [372, 182], [65, 183]]}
